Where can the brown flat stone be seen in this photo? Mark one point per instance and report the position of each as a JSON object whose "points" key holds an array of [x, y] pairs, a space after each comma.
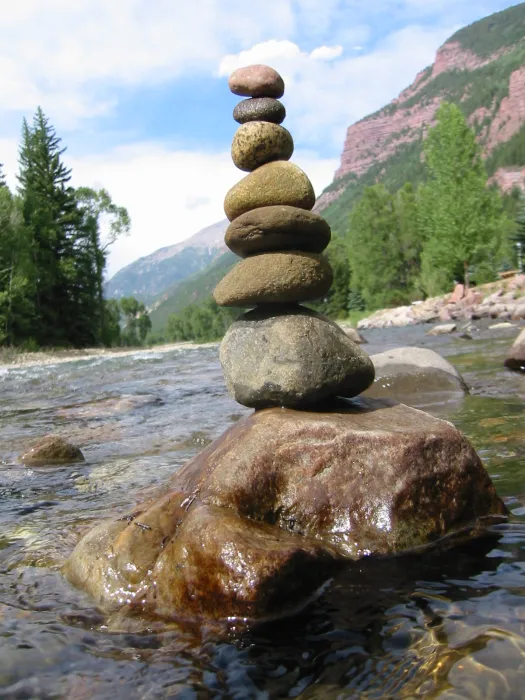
{"points": [[256, 522], [51, 450], [277, 228], [277, 183], [275, 278], [257, 143], [256, 81]]}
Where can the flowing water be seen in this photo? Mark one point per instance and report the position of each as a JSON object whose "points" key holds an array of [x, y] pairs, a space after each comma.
{"points": [[447, 626]]}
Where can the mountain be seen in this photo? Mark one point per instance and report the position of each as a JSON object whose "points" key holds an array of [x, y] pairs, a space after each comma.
{"points": [[481, 68], [146, 278]]}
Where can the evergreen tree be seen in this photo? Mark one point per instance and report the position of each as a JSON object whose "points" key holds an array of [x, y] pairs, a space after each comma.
{"points": [[460, 218]]}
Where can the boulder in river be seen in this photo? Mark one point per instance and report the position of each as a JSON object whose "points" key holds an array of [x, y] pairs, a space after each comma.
{"points": [[406, 373], [51, 450], [443, 329], [516, 356], [256, 522]]}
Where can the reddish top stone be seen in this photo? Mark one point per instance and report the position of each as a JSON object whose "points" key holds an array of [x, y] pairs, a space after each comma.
{"points": [[256, 81]]}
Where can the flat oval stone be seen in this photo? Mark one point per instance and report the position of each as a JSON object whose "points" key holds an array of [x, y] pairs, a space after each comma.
{"points": [[257, 143], [256, 81], [275, 278], [279, 182], [277, 228], [291, 357], [264, 109]]}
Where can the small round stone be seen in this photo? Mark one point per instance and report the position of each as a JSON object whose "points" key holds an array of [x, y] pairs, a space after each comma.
{"points": [[277, 228], [256, 81], [293, 357], [257, 143], [275, 278], [264, 109], [279, 182]]}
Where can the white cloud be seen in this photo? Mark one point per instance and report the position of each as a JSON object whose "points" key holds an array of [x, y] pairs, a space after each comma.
{"points": [[326, 53]]}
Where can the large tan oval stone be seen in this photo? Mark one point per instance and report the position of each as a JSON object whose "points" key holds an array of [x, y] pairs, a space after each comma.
{"points": [[279, 182], [275, 278], [277, 228], [256, 81], [257, 143]]}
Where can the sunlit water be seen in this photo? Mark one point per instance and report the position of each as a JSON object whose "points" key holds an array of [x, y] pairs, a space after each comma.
{"points": [[447, 626]]}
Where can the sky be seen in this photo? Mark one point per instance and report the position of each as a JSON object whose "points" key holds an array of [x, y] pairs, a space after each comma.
{"points": [[137, 89]]}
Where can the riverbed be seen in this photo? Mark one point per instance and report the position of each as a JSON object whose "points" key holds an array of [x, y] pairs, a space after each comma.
{"points": [[433, 626]]}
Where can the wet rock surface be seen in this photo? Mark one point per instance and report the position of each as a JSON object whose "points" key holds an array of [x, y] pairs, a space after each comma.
{"points": [[515, 359], [277, 228], [257, 521], [257, 143], [51, 450], [291, 357], [275, 278], [274, 183], [264, 109]]}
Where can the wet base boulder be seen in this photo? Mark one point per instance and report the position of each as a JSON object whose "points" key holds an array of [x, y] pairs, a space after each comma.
{"points": [[51, 450], [254, 524]]}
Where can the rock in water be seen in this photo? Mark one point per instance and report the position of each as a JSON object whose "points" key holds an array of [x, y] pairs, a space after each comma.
{"points": [[274, 183], [291, 357], [251, 526], [256, 81], [444, 329], [257, 143], [264, 109], [516, 356], [405, 371], [275, 278], [51, 450], [277, 228]]}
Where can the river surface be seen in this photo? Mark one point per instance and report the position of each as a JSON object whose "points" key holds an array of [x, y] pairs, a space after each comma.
{"points": [[433, 626]]}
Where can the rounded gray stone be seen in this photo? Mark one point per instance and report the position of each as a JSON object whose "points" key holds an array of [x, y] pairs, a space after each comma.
{"points": [[277, 228], [293, 357], [264, 109], [257, 143]]}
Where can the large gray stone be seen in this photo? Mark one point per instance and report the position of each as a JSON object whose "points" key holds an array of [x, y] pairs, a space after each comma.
{"points": [[291, 357], [409, 373], [516, 356]]}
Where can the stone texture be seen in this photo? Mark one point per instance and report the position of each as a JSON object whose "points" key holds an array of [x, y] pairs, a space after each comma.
{"points": [[291, 357], [264, 109], [256, 81], [516, 356], [51, 450], [256, 522], [275, 183], [257, 143], [354, 335], [277, 228], [275, 278], [408, 373], [443, 329]]}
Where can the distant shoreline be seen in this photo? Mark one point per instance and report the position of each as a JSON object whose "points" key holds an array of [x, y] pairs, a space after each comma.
{"points": [[18, 358]]}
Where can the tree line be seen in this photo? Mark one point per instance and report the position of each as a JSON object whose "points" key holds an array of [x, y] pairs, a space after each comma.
{"points": [[53, 256], [413, 242]]}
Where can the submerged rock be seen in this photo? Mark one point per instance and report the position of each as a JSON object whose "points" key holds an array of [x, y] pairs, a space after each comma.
{"points": [[257, 521], [516, 356], [51, 450], [291, 356], [404, 372], [443, 329]]}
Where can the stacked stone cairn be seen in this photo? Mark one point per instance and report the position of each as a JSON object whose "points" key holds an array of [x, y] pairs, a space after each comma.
{"points": [[280, 353]]}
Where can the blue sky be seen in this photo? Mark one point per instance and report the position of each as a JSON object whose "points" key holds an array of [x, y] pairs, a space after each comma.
{"points": [[137, 89]]}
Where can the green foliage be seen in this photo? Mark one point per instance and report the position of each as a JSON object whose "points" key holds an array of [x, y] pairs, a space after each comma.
{"points": [[460, 219], [200, 323], [493, 33], [137, 323], [507, 154]]}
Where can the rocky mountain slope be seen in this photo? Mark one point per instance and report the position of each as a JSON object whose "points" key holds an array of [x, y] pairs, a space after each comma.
{"points": [[148, 277], [482, 69]]}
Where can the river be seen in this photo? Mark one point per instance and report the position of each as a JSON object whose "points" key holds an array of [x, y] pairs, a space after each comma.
{"points": [[434, 626]]}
